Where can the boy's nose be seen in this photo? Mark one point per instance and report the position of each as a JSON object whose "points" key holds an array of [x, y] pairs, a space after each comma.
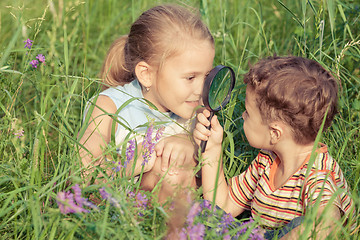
{"points": [[243, 115]]}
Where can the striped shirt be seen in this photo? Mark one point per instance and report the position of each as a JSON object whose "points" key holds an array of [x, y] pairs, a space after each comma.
{"points": [[254, 189]]}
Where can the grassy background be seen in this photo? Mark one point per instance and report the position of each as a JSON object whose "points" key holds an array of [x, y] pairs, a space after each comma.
{"points": [[74, 36]]}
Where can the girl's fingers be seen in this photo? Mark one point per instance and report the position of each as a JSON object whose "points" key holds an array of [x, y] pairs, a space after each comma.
{"points": [[203, 119], [201, 131], [159, 148], [215, 125]]}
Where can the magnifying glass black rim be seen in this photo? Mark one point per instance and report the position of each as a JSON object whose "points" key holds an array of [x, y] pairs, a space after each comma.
{"points": [[209, 79]]}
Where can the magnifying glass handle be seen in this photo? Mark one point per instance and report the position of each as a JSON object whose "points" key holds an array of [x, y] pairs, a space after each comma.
{"points": [[203, 143]]}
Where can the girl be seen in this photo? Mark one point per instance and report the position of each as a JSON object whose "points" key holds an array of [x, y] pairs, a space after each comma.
{"points": [[164, 60]]}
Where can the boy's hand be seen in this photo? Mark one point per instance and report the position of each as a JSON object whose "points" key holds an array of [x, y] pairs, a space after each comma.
{"points": [[175, 151], [214, 136]]}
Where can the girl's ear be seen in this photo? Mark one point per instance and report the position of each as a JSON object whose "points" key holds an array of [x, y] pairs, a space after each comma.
{"points": [[276, 132], [143, 72]]}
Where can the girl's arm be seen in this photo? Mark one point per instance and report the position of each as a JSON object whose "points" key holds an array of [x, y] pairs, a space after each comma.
{"points": [[212, 162], [175, 152], [97, 136]]}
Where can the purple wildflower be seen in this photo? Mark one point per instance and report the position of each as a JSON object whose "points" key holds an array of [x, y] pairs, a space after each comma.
{"points": [[34, 63], [255, 233], [80, 200], [205, 204], [65, 201], [19, 134], [140, 201], [28, 43], [77, 192], [226, 220], [196, 232], [41, 58], [104, 194], [118, 167], [107, 196], [183, 234], [159, 133], [227, 237], [193, 212], [148, 145], [130, 150]]}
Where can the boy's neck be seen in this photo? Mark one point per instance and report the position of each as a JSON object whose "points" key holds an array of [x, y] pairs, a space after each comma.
{"points": [[292, 156]]}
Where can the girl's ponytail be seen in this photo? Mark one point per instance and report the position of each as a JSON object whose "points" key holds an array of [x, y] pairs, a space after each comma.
{"points": [[114, 71]]}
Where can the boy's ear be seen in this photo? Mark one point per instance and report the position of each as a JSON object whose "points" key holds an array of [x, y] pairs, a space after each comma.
{"points": [[143, 72], [276, 132]]}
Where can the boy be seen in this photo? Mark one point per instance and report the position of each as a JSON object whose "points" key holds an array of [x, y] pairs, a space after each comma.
{"points": [[287, 99]]}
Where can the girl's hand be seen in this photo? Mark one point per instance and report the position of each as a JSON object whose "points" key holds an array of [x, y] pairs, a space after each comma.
{"points": [[175, 152], [150, 162], [214, 136]]}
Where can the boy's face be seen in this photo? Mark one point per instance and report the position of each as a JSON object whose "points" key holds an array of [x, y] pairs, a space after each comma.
{"points": [[257, 132]]}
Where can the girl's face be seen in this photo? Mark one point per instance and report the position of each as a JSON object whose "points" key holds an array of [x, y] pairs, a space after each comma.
{"points": [[178, 86]]}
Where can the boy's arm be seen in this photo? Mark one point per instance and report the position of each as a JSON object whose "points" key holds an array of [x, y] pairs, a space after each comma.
{"points": [[212, 163], [325, 225]]}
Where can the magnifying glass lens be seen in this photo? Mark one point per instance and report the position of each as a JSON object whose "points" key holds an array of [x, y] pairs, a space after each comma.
{"points": [[219, 89]]}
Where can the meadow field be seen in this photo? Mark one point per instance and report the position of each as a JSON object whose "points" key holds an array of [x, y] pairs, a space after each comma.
{"points": [[41, 107]]}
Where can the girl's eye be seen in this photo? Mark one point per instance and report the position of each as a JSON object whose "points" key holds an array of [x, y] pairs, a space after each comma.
{"points": [[190, 78]]}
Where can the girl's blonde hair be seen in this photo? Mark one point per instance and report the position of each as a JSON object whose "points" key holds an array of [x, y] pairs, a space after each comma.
{"points": [[159, 33]]}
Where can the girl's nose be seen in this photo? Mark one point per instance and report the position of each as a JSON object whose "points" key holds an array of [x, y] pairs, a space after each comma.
{"points": [[198, 88]]}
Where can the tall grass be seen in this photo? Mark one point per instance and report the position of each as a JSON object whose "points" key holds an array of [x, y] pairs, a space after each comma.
{"points": [[47, 103]]}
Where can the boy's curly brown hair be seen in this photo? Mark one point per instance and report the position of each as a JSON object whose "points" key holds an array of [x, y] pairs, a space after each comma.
{"points": [[296, 91]]}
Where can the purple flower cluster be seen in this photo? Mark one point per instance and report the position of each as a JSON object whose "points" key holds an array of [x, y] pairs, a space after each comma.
{"points": [[140, 201], [69, 202], [202, 213], [39, 58], [254, 235], [148, 143], [191, 230], [28, 43], [107, 196], [130, 152], [19, 134]]}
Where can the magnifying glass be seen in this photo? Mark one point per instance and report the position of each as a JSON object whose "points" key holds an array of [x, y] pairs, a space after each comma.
{"points": [[217, 91]]}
